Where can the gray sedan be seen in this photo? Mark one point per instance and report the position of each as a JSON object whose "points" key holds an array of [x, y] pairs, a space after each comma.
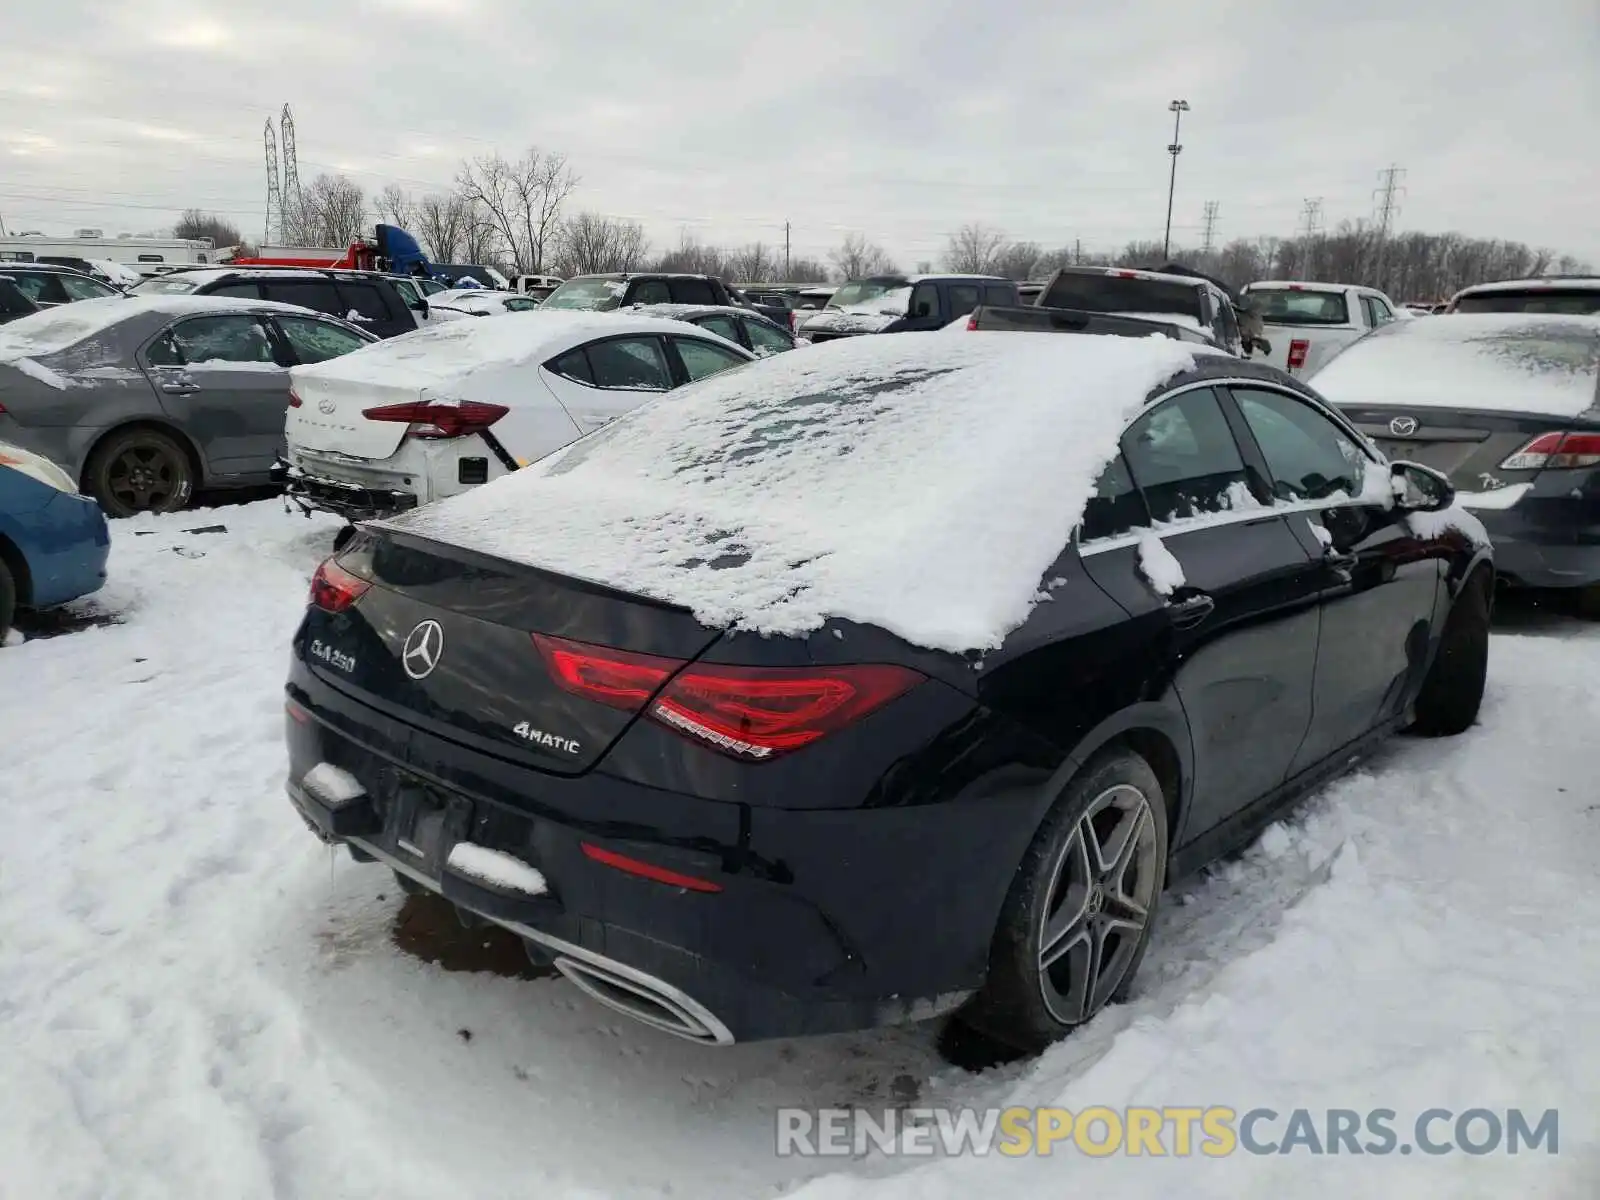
{"points": [[145, 399]]}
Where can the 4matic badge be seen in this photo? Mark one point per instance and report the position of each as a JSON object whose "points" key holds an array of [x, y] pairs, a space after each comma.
{"points": [[549, 740]]}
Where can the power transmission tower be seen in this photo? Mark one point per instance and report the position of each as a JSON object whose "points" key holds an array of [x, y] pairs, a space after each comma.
{"points": [[291, 163], [1312, 211], [1210, 226], [274, 191], [1388, 208]]}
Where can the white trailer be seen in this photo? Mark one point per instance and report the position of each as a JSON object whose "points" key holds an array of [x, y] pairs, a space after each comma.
{"points": [[145, 255]]}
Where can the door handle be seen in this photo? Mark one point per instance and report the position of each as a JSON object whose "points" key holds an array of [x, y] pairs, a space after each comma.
{"points": [[180, 386], [1188, 611]]}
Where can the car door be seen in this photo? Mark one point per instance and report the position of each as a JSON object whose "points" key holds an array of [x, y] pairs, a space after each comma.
{"points": [[924, 308], [1240, 628], [964, 297], [223, 379], [1380, 580], [600, 380]]}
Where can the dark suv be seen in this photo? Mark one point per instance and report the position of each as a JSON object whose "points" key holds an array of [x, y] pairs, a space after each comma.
{"points": [[363, 298], [47, 285], [905, 304]]}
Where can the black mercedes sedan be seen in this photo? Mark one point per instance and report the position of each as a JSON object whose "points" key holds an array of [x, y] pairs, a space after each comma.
{"points": [[886, 681]]}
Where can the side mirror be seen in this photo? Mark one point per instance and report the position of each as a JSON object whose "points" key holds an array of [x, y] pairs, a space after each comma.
{"points": [[1422, 489]]}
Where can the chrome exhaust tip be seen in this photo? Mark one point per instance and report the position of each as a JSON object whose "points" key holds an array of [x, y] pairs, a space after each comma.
{"points": [[645, 999]]}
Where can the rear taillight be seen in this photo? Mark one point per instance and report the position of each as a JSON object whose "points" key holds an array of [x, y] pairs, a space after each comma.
{"points": [[334, 589], [972, 321], [430, 419], [294, 399], [1555, 451], [751, 713], [1298, 349]]}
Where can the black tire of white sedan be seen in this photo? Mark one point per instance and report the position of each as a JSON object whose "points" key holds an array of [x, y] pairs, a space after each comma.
{"points": [[140, 470], [1453, 691], [1077, 918], [8, 602]]}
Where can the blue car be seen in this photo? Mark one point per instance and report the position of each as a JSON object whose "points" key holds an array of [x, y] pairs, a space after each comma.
{"points": [[53, 542]]}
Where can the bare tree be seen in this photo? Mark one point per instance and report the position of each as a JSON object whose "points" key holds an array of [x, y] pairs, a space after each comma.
{"points": [[591, 243], [753, 264], [693, 256], [332, 211], [441, 224], [394, 207], [856, 257], [196, 223], [804, 270], [973, 249], [481, 239], [522, 200], [1015, 260]]}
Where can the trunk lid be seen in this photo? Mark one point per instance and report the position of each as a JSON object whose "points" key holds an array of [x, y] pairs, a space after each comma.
{"points": [[473, 673], [1468, 445], [329, 416]]}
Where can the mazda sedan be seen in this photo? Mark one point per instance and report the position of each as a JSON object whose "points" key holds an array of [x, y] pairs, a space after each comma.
{"points": [[885, 682]]}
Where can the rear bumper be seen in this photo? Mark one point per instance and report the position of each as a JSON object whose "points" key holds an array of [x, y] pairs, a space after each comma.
{"points": [[351, 501], [1550, 538], [772, 952]]}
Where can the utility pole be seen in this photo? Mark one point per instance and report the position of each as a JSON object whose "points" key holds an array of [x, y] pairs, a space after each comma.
{"points": [[1177, 108], [1388, 208], [1210, 226], [786, 271], [1077, 251], [1313, 226]]}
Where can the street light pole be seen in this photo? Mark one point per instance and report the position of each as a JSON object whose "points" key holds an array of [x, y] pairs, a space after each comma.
{"points": [[1177, 108]]}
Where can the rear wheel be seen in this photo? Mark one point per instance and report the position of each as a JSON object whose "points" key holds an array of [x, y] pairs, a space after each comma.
{"points": [[8, 602], [140, 470], [1453, 691], [1077, 919]]}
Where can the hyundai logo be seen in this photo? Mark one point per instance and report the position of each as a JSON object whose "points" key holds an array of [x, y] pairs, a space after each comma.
{"points": [[424, 645], [326, 407], [1403, 426]]}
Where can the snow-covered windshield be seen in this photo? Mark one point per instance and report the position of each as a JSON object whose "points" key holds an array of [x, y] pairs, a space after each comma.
{"points": [[922, 483], [163, 285], [878, 295], [590, 295]]}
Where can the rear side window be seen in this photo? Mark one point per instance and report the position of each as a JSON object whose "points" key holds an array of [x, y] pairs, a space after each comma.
{"points": [[924, 301], [1377, 311], [964, 297], [1280, 306], [633, 364], [573, 365], [764, 339], [691, 291], [651, 291], [245, 291], [1183, 457], [1309, 456], [702, 358], [317, 295], [317, 341], [1116, 506], [996, 294], [1227, 324], [720, 325], [41, 288], [365, 300], [81, 287]]}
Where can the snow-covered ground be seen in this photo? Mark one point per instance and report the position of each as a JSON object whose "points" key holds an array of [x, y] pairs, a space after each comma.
{"points": [[196, 999]]}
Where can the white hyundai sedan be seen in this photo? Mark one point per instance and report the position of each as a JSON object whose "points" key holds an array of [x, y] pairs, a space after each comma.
{"points": [[414, 419]]}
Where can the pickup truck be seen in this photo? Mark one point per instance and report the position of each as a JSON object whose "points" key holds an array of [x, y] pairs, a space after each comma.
{"points": [[1032, 319], [903, 304], [1307, 323], [627, 289], [1190, 300]]}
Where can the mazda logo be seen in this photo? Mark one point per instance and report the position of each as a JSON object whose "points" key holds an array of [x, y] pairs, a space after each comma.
{"points": [[326, 407], [423, 648], [1403, 426]]}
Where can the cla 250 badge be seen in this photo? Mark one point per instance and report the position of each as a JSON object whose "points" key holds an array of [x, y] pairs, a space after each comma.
{"points": [[337, 659], [540, 738]]}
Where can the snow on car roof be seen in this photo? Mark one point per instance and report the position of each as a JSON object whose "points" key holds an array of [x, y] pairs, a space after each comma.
{"points": [[921, 483], [1574, 282], [1298, 285], [1518, 362], [55, 329], [446, 352]]}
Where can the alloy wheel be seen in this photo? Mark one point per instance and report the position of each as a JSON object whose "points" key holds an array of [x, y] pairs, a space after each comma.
{"points": [[1102, 890], [143, 477]]}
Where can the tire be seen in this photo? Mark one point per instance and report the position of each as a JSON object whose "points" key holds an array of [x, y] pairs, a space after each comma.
{"points": [[8, 601], [140, 470], [1030, 998], [1453, 690]]}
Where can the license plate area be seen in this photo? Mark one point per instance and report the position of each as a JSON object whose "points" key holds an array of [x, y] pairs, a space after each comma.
{"points": [[423, 822]]}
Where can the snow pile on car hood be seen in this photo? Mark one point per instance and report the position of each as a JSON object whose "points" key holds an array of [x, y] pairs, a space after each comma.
{"points": [[1517, 362], [918, 482]]}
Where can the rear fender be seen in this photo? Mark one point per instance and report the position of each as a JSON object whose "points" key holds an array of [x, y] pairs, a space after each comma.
{"points": [[84, 442]]}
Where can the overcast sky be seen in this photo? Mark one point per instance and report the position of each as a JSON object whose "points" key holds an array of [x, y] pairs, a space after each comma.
{"points": [[898, 118]]}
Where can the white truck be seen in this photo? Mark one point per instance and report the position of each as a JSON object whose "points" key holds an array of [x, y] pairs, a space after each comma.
{"points": [[1307, 322]]}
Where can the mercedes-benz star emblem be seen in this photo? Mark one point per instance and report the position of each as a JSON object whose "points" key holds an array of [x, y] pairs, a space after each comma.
{"points": [[422, 650], [1403, 426], [326, 407]]}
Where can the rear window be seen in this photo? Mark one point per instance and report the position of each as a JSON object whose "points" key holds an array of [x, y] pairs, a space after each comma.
{"points": [[318, 295], [591, 295], [1563, 301], [1280, 306], [691, 291], [365, 300], [1123, 294], [164, 285]]}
